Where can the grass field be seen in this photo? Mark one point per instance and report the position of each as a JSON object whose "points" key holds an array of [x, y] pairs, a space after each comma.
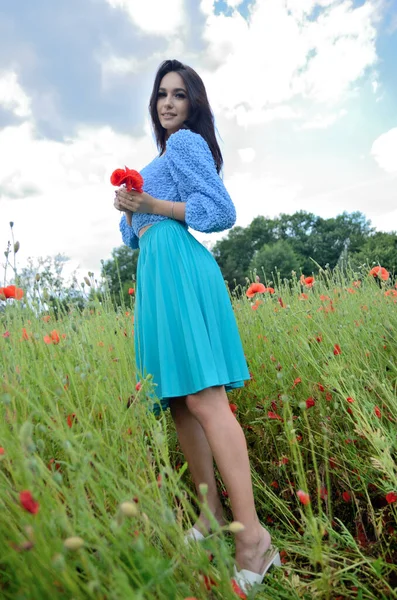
{"points": [[95, 495]]}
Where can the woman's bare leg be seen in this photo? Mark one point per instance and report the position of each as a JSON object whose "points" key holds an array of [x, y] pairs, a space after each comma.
{"points": [[229, 448], [199, 457]]}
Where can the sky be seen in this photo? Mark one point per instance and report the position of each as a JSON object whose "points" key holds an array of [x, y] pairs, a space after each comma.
{"points": [[304, 94]]}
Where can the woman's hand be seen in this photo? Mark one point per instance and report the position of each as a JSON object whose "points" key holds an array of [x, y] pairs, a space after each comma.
{"points": [[134, 201]]}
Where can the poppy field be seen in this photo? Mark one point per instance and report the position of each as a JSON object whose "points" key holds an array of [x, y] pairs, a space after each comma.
{"points": [[94, 491]]}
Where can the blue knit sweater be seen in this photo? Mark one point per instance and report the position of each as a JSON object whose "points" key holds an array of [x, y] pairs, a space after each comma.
{"points": [[185, 173]]}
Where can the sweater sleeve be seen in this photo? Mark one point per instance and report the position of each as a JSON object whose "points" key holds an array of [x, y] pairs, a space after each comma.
{"points": [[127, 233], [209, 207]]}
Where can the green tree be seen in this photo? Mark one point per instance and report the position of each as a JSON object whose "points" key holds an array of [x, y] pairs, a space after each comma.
{"points": [[379, 248], [233, 255], [120, 273], [279, 256]]}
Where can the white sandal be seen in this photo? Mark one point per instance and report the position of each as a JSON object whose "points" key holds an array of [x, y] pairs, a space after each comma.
{"points": [[246, 579], [193, 534]]}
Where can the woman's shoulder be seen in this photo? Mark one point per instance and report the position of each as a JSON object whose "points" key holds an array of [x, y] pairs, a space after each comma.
{"points": [[185, 140]]}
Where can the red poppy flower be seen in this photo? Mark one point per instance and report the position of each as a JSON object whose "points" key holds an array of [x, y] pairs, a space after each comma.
{"points": [[332, 462], [379, 272], [304, 296], [346, 497], [255, 288], [70, 419], [307, 281], [303, 497], [377, 412], [281, 303], [337, 349], [132, 179], [55, 336], [11, 291], [350, 400], [28, 503], [273, 415], [323, 493], [2, 451], [270, 290], [310, 402], [233, 407], [391, 497], [138, 386], [237, 590], [131, 291]]}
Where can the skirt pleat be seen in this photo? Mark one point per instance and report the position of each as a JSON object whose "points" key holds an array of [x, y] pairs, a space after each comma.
{"points": [[186, 335]]}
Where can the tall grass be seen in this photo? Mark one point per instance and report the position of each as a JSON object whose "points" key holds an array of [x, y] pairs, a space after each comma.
{"points": [[319, 416]]}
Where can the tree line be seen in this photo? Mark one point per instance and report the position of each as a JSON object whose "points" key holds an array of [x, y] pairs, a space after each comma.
{"points": [[286, 243]]}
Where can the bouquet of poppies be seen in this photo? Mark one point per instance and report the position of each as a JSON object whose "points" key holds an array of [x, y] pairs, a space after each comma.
{"points": [[132, 181]]}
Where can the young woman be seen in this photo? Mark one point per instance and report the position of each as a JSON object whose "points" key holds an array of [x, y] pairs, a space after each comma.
{"points": [[186, 334]]}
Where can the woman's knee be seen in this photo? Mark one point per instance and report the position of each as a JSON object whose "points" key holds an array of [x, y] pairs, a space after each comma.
{"points": [[203, 403]]}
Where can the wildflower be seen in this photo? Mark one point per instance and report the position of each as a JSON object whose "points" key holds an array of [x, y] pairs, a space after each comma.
{"points": [[296, 381], [303, 296], [321, 387], [255, 288], [281, 303], [307, 281], [25, 334], [323, 493], [70, 418], [351, 291], [323, 298], [2, 451], [332, 462], [391, 293], [237, 590], [303, 497], [275, 485], [131, 291], [319, 338], [379, 272], [28, 503], [328, 396], [337, 349], [377, 412], [273, 415], [256, 304], [11, 291], [346, 497], [46, 318], [350, 400], [270, 290], [55, 336], [310, 402], [233, 407], [138, 386], [356, 284], [391, 497]]}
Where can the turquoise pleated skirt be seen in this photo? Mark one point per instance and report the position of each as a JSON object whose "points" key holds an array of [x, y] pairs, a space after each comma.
{"points": [[186, 335]]}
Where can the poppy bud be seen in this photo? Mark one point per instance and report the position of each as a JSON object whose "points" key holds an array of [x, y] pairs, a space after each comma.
{"points": [[128, 509], [16, 247], [37, 277], [73, 543], [88, 282], [236, 527]]}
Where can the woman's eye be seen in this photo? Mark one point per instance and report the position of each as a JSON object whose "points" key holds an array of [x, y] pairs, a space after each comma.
{"points": [[182, 96], [161, 94]]}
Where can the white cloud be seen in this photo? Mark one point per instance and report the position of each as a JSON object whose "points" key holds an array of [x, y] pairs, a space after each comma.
{"points": [[323, 121], [384, 151], [233, 3], [12, 96], [279, 54], [153, 16], [247, 155]]}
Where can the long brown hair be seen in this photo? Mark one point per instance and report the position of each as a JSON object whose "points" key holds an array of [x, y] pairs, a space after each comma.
{"points": [[201, 118]]}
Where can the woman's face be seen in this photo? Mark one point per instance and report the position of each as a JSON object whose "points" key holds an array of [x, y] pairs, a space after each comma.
{"points": [[172, 102]]}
